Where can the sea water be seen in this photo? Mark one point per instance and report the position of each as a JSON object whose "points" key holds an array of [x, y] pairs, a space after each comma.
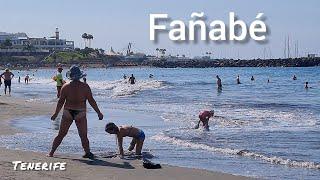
{"points": [[260, 129]]}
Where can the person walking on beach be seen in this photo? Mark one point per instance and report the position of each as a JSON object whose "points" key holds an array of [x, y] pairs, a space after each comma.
{"points": [[204, 117], [73, 98], [238, 80], [59, 79], [219, 83], [137, 135], [7, 77], [132, 79]]}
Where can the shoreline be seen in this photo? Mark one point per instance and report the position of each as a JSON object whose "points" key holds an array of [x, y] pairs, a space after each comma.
{"points": [[77, 167]]}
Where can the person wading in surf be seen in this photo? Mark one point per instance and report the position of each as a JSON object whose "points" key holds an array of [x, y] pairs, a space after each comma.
{"points": [[74, 96], [204, 117]]}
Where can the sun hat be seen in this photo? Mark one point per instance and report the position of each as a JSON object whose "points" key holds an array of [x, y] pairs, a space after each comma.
{"points": [[75, 73]]}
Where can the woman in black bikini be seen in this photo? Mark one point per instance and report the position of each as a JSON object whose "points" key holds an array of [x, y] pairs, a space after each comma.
{"points": [[73, 97]]}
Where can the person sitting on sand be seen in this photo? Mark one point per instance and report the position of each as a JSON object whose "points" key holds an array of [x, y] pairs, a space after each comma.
{"points": [[137, 135], [219, 82], [132, 79], [252, 78], [7, 77], [74, 96], [204, 117], [294, 77]]}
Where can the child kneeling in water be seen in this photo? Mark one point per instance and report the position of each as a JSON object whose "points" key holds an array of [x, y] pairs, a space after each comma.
{"points": [[136, 134]]}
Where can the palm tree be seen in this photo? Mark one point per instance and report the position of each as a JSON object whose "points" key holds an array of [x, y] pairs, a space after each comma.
{"points": [[157, 52], [90, 37], [85, 37]]}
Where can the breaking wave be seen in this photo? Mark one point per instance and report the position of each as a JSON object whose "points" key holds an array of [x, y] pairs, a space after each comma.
{"points": [[238, 152]]}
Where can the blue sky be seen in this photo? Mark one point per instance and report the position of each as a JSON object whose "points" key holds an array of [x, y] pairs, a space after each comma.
{"points": [[115, 23]]}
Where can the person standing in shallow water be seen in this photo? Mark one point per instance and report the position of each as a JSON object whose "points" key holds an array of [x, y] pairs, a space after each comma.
{"points": [[132, 79], [252, 78], [59, 79], [26, 79], [238, 80], [7, 77], [219, 83], [73, 98]]}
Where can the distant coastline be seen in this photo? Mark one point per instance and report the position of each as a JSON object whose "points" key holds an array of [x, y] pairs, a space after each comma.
{"points": [[30, 62]]}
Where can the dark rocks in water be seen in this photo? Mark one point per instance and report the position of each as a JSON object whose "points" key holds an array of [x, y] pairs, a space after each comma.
{"points": [[193, 63]]}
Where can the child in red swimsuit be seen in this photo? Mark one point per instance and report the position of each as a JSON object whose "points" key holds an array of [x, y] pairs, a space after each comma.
{"points": [[204, 117]]}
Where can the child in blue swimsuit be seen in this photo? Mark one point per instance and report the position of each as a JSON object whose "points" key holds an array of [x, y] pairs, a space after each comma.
{"points": [[137, 135]]}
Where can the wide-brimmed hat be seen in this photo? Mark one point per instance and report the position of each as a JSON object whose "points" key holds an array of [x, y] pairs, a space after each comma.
{"points": [[75, 73]]}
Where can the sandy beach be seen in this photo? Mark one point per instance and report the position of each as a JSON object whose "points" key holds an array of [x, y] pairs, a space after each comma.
{"points": [[77, 167]]}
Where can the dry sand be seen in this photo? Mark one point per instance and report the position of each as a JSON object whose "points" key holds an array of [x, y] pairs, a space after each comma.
{"points": [[77, 167]]}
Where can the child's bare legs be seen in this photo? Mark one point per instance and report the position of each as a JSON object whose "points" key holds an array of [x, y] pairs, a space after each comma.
{"points": [[139, 147], [132, 144], [205, 124]]}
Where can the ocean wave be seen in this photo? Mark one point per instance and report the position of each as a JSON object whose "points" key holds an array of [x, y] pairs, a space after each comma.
{"points": [[123, 88], [238, 152]]}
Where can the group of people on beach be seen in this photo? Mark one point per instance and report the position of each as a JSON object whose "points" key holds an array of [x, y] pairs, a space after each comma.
{"points": [[7, 77], [72, 98]]}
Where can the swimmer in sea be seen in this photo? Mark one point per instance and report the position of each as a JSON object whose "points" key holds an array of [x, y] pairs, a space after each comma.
{"points": [[238, 80], [306, 85], [132, 79], [204, 117], [219, 82], [294, 77], [137, 135]]}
